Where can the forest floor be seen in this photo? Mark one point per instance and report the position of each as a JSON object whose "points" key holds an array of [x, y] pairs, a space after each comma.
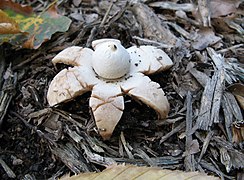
{"points": [[204, 130]]}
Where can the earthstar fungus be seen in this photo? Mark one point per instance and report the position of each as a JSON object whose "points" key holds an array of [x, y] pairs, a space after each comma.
{"points": [[110, 71]]}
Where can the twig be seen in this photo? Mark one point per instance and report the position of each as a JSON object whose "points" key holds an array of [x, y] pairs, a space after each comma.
{"points": [[205, 145], [91, 36], [96, 158], [105, 17], [122, 138], [81, 34], [7, 169], [95, 29], [210, 167], [145, 157], [2, 65], [175, 130], [151, 42], [230, 48], [189, 159], [160, 161], [180, 30], [118, 15], [188, 7], [23, 120], [7, 92]]}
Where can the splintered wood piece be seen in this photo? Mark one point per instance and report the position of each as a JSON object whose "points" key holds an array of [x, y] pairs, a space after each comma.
{"points": [[7, 91], [189, 159], [152, 25], [211, 100]]}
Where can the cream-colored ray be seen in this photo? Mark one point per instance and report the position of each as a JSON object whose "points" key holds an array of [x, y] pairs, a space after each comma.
{"points": [[75, 56], [148, 59], [107, 104], [70, 83], [141, 88]]}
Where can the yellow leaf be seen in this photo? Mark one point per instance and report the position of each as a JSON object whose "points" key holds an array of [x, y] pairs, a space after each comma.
{"points": [[134, 172]]}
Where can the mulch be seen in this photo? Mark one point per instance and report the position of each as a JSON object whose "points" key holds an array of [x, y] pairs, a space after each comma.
{"points": [[203, 132]]}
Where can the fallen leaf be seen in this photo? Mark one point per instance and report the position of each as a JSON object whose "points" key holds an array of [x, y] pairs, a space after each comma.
{"points": [[7, 24], [8, 4], [194, 148], [134, 172], [76, 2], [238, 90], [238, 132], [220, 25], [37, 28], [203, 38], [223, 7]]}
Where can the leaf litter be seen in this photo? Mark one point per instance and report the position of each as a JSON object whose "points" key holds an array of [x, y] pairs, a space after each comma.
{"points": [[204, 131]]}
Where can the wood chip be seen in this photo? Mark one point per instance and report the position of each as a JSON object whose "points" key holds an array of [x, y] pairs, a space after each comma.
{"points": [[210, 102], [187, 7], [230, 156], [175, 130], [7, 91], [152, 25], [7, 169], [189, 158], [71, 157]]}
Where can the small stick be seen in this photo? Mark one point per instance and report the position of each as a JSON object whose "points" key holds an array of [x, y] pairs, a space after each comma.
{"points": [[7, 169]]}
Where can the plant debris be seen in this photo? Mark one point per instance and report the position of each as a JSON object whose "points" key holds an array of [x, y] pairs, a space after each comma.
{"points": [[204, 130]]}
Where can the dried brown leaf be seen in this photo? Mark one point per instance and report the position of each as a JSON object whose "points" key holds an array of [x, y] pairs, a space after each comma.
{"points": [[223, 7], [134, 172], [203, 38], [193, 149], [238, 90], [238, 132]]}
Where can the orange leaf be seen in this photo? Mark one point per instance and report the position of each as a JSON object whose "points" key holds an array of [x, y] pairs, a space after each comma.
{"points": [[8, 4], [7, 24]]}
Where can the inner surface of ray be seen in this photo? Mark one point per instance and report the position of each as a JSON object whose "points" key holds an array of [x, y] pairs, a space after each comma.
{"points": [[107, 104]]}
